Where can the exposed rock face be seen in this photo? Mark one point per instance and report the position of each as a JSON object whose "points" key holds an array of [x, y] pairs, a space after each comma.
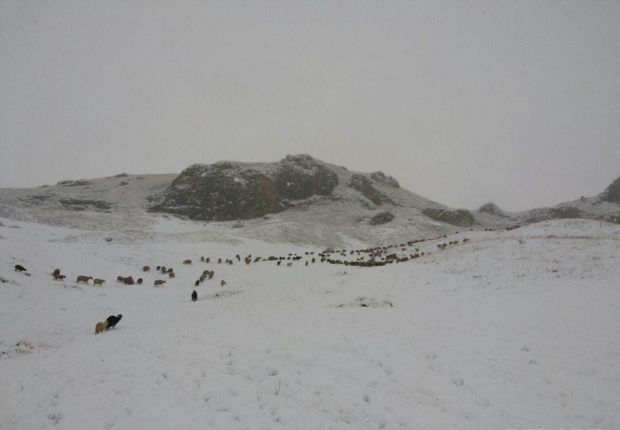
{"points": [[365, 186], [382, 218], [565, 212], [226, 191], [458, 217], [220, 191], [491, 208], [300, 176], [612, 192], [383, 179]]}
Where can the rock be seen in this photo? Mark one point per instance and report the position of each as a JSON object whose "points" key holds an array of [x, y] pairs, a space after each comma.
{"points": [[364, 185], [490, 208], [612, 192], [382, 218], [227, 191], [383, 179], [565, 212], [83, 204], [458, 217], [301, 176]]}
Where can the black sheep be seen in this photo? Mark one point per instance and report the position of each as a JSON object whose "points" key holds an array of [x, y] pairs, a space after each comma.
{"points": [[113, 320], [194, 296], [19, 268]]}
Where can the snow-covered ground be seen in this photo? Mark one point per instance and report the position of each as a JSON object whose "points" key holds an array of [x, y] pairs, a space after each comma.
{"points": [[512, 329]]}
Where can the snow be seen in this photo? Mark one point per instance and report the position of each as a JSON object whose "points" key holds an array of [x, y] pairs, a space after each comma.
{"points": [[512, 329]]}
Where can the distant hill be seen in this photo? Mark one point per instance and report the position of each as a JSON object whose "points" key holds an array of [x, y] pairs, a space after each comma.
{"points": [[297, 199]]}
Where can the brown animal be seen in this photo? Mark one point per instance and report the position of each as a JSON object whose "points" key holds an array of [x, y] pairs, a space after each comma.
{"points": [[171, 275], [101, 326], [159, 283], [146, 268], [84, 279], [139, 281], [59, 277], [98, 282], [222, 283], [56, 272], [187, 262], [128, 280]]}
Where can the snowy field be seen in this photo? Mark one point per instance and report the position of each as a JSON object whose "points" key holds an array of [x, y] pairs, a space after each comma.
{"points": [[512, 329]]}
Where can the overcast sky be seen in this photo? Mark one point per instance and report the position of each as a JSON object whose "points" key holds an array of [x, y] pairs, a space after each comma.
{"points": [[515, 102]]}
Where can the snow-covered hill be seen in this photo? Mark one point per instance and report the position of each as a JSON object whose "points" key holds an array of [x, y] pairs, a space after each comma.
{"points": [[509, 329], [298, 200]]}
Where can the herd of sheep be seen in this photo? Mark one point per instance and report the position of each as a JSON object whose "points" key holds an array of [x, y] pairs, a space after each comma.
{"points": [[369, 257]]}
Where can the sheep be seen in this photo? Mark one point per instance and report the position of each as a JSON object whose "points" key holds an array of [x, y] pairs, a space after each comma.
{"points": [[84, 279], [187, 262], [194, 296], [159, 283], [101, 326], [146, 268], [56, 272], [98, 282], [171, 275], [128, 280], [139, 281], [113, 320], [19, 268], [59, 277], [197, 282], [222, 283]]}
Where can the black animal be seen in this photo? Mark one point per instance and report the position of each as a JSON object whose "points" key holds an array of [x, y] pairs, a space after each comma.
{"points": [[194, 296], [19, 268], [197, 283], [113, 320]]}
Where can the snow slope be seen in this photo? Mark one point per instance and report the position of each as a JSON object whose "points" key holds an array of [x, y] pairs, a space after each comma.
{"points": [[512, 329]]}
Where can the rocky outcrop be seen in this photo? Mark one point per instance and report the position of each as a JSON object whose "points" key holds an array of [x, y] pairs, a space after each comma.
{"points": [[364, 185], [384, 179], [458, 217], [221, 191], [382, 218], [300, 176], [226, 191], [612, 192], [491, 209]]}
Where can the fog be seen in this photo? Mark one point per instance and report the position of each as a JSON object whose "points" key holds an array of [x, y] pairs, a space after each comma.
{"points": [[462, 102]]}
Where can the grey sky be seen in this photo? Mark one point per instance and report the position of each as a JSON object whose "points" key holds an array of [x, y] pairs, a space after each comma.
{"points": [[515, 102]]}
